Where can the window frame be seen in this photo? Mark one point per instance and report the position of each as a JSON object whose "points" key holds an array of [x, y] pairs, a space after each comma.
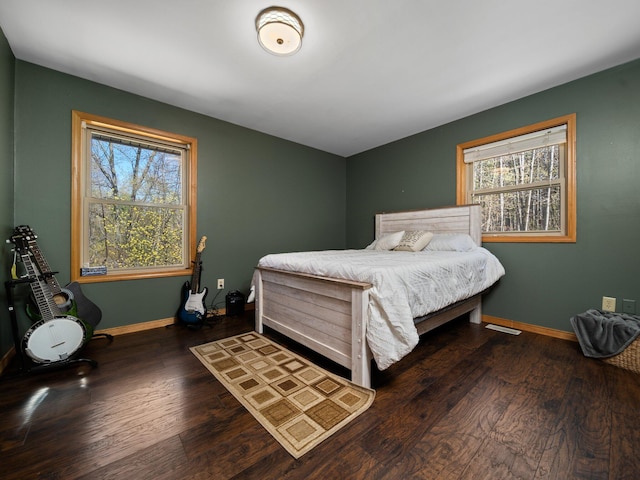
{"points": [[78, 204], [464, 175]]}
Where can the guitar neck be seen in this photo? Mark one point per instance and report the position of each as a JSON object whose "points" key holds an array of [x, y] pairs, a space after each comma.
{"points": [[44, 268], [41, 291], [195, 278]]}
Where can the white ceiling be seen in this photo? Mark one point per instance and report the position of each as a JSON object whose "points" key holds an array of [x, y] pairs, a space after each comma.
{"points": [[369, 71]]}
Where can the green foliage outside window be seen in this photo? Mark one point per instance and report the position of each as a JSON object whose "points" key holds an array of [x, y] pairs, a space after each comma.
{"points": [[136, 216]]}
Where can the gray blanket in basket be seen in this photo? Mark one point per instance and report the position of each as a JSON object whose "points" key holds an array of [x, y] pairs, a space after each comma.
{"points": [[605, 334]]}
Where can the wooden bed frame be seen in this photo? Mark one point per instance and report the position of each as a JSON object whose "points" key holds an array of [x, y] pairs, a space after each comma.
{"points": [[328, 315]]}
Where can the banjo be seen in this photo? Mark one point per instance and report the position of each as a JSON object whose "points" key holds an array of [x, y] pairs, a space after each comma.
{"points": [[56, 337]]}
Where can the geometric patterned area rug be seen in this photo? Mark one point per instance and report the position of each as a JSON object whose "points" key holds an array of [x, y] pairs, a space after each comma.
{"points": [[299, 403]]}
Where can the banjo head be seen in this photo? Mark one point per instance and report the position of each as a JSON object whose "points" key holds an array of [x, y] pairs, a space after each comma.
{"points": [[54, 340]]}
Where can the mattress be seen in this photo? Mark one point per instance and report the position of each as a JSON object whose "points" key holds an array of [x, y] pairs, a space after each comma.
{"points": [[405, 285]]}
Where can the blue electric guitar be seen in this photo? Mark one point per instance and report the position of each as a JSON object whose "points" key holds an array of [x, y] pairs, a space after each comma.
{"points": [[193, 309]]}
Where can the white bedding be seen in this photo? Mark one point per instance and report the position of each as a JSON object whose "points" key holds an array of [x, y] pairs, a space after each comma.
{"points": [[405, 285]]}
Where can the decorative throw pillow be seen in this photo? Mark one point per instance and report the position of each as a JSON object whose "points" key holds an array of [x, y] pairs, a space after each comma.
{"points": [[387, 242], [452, 242], [414, 240]]}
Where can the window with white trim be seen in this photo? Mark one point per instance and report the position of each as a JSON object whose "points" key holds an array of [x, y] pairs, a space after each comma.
{"points": [[525, 181], [133, 205]]}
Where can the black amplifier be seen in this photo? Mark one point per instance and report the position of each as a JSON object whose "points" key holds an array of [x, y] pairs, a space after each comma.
{"points": [[235, 303]]}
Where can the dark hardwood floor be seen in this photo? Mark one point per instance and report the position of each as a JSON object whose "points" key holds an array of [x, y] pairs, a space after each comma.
{"points": [[468, 403]]}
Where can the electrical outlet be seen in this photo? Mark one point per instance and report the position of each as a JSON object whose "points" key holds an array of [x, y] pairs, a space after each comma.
{"points": [[628, 306], [220, 283], [608, 304]]}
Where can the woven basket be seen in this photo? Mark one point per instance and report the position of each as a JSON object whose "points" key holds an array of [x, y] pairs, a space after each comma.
{"points": [[628, 359]]}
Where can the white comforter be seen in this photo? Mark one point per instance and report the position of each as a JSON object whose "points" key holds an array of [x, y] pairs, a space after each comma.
{"points": [[405, 285]]}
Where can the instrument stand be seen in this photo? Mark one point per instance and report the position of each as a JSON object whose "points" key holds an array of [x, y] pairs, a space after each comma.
{"points": [[207, 321], [24, 367], [108, 336]]}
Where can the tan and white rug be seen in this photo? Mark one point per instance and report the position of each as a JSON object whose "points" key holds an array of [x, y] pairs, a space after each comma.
{"points": [[299, 403]]}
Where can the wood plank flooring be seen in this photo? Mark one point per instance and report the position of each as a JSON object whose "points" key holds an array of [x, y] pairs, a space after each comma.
{"points": [[468, 403]]}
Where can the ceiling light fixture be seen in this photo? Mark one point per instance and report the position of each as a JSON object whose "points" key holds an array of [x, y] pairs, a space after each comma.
{"points": [[279, 31]]}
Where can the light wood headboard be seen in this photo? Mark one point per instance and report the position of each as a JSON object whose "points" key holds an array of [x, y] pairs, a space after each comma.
{"points": [[456, 219]]}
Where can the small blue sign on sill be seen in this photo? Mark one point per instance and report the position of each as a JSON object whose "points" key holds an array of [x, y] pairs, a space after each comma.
{"points": [[91, 271]]}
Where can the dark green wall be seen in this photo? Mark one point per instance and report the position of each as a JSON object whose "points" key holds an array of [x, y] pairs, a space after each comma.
{"points": [[545, 284], [7, 62], [257, 194]]}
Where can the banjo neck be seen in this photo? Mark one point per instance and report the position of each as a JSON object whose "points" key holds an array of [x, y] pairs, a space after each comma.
{"points": [[44, 267], [41, 291], [63, 297]]}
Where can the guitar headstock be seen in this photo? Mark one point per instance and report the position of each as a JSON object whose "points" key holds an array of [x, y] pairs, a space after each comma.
{"points": [[26, 231], [21, 236], [201, 245]]}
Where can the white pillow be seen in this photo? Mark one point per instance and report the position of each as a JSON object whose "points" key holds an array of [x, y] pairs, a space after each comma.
{"points": [[386, 242], [414, 240], [452, 242]]}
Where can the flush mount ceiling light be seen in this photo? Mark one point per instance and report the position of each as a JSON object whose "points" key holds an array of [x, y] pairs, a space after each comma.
{"points": [[279, 31]]}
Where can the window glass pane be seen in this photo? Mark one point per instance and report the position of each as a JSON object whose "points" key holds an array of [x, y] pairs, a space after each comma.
{"points": [[535, 210], [541, 164], [129, 236], [135, 172]]}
